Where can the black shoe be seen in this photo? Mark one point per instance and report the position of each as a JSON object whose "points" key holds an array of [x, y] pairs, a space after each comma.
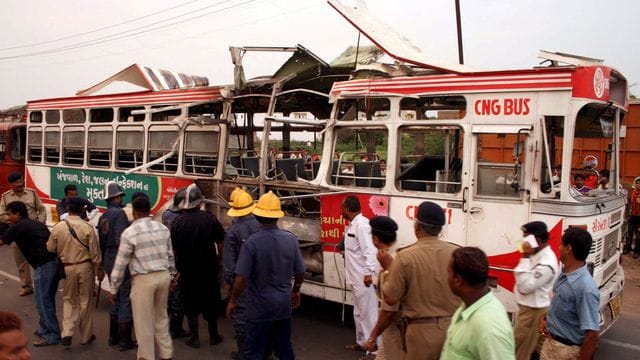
{"points": [[66, 341], [194, 343], [636, 255], [625, 251], [114, 331], [215, 340], [124, 332]]}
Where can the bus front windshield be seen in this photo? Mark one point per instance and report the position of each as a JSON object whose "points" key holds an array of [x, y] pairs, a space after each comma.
{"points": [[595, 151]]}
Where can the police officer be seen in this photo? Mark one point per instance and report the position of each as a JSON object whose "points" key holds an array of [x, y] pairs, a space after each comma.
{"points": [[111, 225], [416, 280], [244, 225], [36, 212], [75, 242]]}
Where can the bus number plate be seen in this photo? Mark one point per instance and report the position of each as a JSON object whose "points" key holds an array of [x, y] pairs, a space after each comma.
{"points": [[615, 306]]}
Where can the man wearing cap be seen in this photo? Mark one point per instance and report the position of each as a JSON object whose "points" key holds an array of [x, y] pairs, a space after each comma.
{"points": [[145, 249], [244, 225], [196, 236], [534, 274], [75, 242], [360, 267], [268, 260], [110, 226], [36, 212], [415, 279]]}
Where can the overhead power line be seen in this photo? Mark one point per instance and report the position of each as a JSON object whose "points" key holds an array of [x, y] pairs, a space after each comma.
{"points": [[131, 32], [98, 29]]}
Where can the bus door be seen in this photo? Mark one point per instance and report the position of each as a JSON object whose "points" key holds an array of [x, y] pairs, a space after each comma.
{"points": [[497, 200]]}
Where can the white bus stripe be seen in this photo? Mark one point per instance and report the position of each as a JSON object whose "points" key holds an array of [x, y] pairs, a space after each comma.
{"points": [[10, 276], [621, 344]]}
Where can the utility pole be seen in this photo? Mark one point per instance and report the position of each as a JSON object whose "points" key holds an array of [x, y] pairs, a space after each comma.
{"points": [[459, 27]]}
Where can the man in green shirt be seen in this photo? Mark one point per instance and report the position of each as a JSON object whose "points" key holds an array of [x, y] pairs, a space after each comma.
{"points": [[480, 328]]}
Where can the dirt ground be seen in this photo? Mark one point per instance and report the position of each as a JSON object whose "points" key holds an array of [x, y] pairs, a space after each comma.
{"points": [[631, 298]]}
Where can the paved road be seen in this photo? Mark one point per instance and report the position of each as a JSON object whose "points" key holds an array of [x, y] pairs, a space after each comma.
{"points": [[318, 333]]}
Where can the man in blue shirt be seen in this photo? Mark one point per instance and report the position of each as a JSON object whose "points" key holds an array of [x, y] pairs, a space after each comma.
{"points": [[268, 260], [110, 226], [572, 324]]}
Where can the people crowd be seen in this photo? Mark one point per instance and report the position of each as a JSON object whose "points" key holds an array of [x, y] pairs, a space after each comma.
{"points": [[428, 300]]}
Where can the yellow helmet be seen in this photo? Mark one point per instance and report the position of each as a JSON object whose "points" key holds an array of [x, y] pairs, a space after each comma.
{"points": [[234, 193], [268, 206], [241, 204]]}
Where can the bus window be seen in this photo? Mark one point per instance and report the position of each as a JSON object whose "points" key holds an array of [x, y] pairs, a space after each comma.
{"points": [[99, 146], [35, 117], [73, 116], [104, 115], [165, 115], [52, 146], [499, 161], [200, 152], [17, 137], [129, 142], [551, 169], [430, 158], [212, 110], [363, 109], [358, 157], [35, 145], [160, 144], [124, 114], [73, 146], [52, 116], [433, 108]]}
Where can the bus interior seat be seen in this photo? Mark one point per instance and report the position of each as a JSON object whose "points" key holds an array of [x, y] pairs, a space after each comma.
{"points": [[367, 173], [252, 164], [423, 170]]}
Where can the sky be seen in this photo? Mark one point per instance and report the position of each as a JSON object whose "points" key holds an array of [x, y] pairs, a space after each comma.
{"points": [[54, 48]]}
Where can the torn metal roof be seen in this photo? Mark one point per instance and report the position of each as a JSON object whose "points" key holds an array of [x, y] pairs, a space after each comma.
{"points": [[150, 79], [391, 42]]}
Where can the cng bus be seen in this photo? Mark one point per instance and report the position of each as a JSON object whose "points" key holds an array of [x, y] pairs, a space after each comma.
{"points": [[495, 149]]}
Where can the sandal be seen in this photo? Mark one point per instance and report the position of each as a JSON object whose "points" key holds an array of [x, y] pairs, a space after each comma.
{"points": [[42, 342]]}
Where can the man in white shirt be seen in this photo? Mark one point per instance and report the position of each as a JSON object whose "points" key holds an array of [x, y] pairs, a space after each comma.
{"points": [[534, 274], [360, 267]]}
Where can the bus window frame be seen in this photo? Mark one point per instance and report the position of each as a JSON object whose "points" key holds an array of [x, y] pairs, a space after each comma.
{"points": [[90, 148], [186, 152], [122, 129], [46, 145], [40, 132], [156, 128], [66, 132]]}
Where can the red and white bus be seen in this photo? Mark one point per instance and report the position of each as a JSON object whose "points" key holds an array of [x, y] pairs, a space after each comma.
{"points": [[495, 149]]}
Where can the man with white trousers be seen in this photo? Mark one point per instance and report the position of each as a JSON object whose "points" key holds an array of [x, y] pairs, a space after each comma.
{"points": [[360, 267]]}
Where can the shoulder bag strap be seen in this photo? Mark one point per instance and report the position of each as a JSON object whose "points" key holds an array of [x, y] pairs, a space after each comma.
{"points": [[75, 236]]}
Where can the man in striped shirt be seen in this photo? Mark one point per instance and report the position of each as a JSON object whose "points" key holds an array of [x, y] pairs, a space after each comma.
{"points": [[145, 247]]}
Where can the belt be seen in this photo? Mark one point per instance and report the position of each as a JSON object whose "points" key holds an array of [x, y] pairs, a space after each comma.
{"points": [[76, 263], [428, 320], [563, 340]]}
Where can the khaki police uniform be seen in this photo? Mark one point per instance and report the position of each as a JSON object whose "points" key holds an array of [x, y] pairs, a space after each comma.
{"points": [[81, 263], [36, 212], [418, 278]]}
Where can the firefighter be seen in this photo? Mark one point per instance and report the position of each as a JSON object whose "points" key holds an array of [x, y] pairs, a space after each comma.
{"points": [[195, 236], [243, 225]]}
